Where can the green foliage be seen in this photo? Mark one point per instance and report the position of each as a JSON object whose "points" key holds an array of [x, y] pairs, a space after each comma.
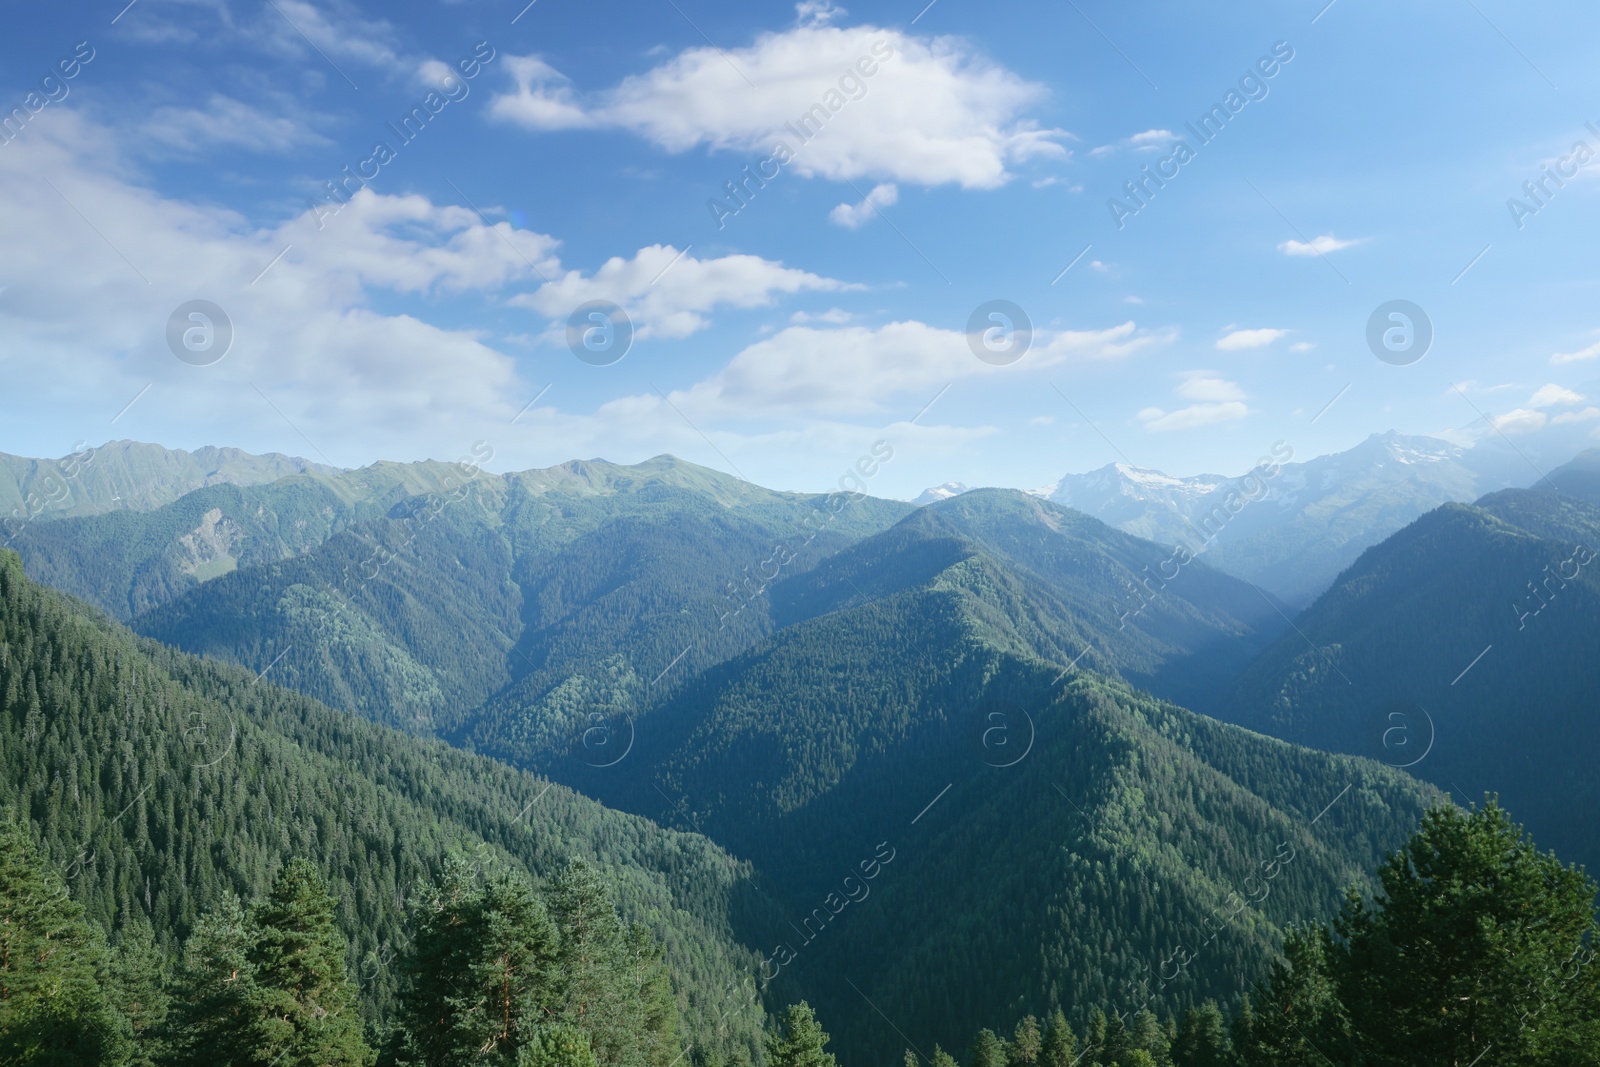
{"points": [[163, 784], [481, 971], [304, 1004], [799, 1040], [53, 1010]]}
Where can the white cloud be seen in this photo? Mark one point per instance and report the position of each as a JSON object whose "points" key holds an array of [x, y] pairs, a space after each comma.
{"points": [[226, 122], [1302, 346], [1576, 357], [335, 29], [803, 371], [932, 112], [817, 12], [667, 293], [1219, 400], [1158, 421], [1241, 339], [1585, 415], [1521, 420], [1554, 396], [305, 333], [1317, 245], [854, 216], [1201, 385], [1147, 141], [833, 317]]}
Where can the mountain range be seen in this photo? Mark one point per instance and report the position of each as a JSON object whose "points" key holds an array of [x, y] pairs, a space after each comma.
{"points": [[875, 745], [1302, 522]]}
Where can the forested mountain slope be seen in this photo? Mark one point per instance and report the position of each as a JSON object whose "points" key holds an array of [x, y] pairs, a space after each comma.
{"points": [[160, 782], [397, 591], [1463, 646], [916, 717]]}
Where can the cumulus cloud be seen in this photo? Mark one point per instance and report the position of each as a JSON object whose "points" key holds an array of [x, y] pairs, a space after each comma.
{"points": [[854, 216], [1236, 340], [1585, 415], [1317, 246], [932, 111], [668, 293]]}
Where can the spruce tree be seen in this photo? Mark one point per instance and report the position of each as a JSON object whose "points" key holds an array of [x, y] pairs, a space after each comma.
{"points": [[941, 1058], [305, 1006], [480, 969], [799, 1041], [53, 1009]]}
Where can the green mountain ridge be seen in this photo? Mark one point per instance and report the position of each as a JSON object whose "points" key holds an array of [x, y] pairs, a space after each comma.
{"points": [[1463, 647]]}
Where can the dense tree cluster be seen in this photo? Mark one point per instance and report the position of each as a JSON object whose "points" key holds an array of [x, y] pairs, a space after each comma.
{"points": [[1475, 944], [160, 785], [495, 972]]}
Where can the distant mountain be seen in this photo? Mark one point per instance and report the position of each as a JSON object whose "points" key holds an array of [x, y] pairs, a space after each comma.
{"points": [[127, 475], [1462, 646], [1295, 528], [410, 593], [1579, 478], [940, 492]]}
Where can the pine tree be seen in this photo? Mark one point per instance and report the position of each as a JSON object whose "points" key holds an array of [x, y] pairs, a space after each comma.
{"points": [[53, 1009], [305, 1005], [1202, 1039], [987, 1050], [1026, 1043], [214, 991], [799, 1041], [941, 1058], [1477, 941], [556, 1045], [1060, 1043], [138, 991], [479, 968], [1300, 1020]]}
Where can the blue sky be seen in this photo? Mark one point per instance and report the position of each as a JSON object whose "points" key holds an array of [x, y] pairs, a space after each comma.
{"points": [[188, 160]]}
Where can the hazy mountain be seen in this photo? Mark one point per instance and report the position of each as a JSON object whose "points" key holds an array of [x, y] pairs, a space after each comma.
{"points": [[1295, 528], [1462, 646]]}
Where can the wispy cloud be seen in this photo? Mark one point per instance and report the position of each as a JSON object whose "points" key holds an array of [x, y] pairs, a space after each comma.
{"points": [[1318, 246], [1241, 339]]}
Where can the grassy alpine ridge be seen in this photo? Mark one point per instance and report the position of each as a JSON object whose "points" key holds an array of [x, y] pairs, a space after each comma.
{"points": [[159, 782]]}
